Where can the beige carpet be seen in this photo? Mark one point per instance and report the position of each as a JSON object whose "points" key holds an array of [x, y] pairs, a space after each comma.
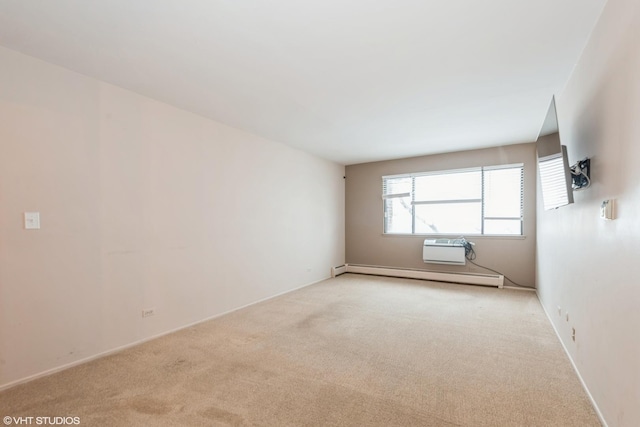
{"points": [[352, 351]]}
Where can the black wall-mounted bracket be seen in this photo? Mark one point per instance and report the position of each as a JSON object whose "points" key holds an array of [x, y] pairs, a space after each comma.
{"points": [[581, 174]]}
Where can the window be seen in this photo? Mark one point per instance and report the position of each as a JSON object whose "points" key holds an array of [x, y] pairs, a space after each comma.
{"points": [[486, 200]]}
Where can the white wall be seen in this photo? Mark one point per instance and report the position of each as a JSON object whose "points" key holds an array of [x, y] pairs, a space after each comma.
{"points": [[587, 266], [142, 205]]}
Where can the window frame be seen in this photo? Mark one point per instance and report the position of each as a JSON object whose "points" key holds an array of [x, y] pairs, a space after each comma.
{"points": [[482, 201]]}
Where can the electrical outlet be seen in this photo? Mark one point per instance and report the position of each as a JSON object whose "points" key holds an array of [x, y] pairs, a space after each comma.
{"points": [[148, 312], [573, 334]]}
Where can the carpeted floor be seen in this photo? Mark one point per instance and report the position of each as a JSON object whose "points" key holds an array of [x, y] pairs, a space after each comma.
{"points": [[351, 351]]}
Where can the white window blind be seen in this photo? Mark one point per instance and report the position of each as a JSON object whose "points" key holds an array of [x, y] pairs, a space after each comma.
{"points": [[485, 200], [396, 193]]}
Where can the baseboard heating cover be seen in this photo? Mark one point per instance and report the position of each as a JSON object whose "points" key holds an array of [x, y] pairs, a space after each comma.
{"points": [[336, 271], [439, 276]]}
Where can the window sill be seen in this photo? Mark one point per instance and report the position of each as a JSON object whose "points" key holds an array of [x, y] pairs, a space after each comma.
{"points": [[457, 236]]}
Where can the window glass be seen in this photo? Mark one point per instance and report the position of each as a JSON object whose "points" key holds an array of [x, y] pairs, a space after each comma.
{"points": [[485, 200], [449, 186], [398, 215], [502, 226], [502, 190], [453, 218]]}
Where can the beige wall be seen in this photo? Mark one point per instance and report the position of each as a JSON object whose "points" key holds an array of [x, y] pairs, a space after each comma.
{"points": [[587, 266], [142, 206], [366, 243], [548, 145]]}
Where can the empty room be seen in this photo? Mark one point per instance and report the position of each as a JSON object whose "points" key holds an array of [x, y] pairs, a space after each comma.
{"points": [[385, 213]]}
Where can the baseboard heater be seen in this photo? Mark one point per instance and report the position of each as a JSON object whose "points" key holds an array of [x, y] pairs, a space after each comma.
{"points": [[438, 276]]}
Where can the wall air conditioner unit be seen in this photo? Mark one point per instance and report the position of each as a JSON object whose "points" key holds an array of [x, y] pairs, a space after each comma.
{"points": [[444, 251]]}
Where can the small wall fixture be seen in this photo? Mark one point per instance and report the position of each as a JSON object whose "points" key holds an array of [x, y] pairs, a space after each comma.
{"points": [[606, 210]]}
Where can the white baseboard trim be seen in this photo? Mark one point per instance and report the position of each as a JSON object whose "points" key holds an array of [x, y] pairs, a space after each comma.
{"points": [[336, 271], [575, 368], [520, 288], [141, 341]]}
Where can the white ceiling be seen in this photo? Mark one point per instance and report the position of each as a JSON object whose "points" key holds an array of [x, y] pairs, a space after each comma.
{"points": [[350, 80]]}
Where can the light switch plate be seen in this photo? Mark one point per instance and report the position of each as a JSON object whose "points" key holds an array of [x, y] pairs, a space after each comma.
{"points": [[32, 220]]}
